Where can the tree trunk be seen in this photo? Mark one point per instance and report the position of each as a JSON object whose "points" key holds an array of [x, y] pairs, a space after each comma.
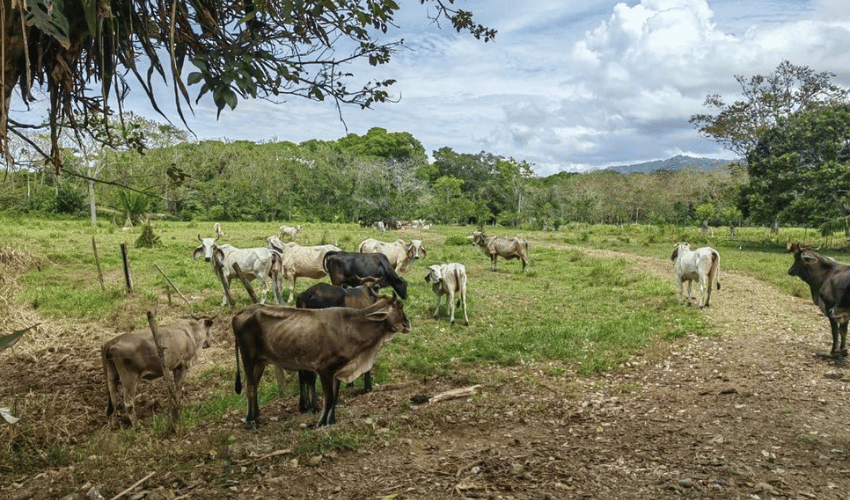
{"points": [[92, 207]]}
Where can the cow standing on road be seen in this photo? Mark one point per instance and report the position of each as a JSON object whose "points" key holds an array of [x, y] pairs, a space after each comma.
{"points": [[828, 282]]}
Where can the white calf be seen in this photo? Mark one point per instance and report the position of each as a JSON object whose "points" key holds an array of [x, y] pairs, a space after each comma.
{"points": [[446, 279], [702, 264]]}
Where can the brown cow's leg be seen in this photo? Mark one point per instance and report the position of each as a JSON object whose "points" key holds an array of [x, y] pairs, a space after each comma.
{"points": [[331, 389], [253, 375], [307, 391]]}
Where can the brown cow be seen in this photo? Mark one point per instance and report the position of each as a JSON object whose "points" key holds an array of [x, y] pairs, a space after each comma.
{"points": [[322, 296], [338, 343], [828, 281], [507, 248], [130, 357]]}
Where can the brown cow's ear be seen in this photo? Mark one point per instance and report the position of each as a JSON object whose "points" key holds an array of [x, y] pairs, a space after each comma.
{"points": [[378, 315], [428, 278], [675, 254], [197, 252]]}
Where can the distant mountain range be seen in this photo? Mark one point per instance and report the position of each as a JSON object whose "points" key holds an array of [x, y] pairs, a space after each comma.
{"points": [[676, 163]]}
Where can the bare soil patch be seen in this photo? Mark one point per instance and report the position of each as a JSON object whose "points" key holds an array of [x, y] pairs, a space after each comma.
{"points": [[754, 412]]}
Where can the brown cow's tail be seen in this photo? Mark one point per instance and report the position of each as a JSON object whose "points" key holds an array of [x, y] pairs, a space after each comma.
{"points": [[238, 386]]}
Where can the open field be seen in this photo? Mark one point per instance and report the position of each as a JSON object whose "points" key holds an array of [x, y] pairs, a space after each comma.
{"points": [[582, 362]]}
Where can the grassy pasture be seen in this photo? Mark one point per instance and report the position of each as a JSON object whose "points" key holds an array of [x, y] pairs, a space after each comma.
{"points": [[577, 312]]}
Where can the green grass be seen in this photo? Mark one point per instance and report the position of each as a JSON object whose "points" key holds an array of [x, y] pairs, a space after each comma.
{"points": [[584, 313]]}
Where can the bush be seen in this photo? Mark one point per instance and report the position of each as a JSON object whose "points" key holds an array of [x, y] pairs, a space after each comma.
{"points": [[148, 239], [457, 241]]}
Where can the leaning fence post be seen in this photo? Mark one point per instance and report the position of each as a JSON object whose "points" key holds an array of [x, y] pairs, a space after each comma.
{"points": [[169, 282], [245, 282], [173, 395], [127, 279], [97, 261], [219, 271]]}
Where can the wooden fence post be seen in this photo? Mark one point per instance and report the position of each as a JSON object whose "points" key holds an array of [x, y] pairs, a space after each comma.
{"points": [[219, 271], [245, 282], [167, 280], [127, 278], [97, 261], [173, 395]]}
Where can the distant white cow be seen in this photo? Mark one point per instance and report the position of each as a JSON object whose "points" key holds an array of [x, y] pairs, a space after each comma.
{"points": [[299, 262], [292, 232], [217, 229], [446, 279], [255, 263], [702, 264], [399, 253]]}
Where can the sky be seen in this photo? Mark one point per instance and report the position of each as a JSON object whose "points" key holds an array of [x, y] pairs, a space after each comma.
{"points": [[566, 85]]}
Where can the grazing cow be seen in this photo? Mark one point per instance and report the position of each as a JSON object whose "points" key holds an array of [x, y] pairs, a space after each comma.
{"points": [[353, 268], [507, 248], [399, 253], [447, 279], [217, 229], [703, 264], [338, 343], [300, 262], [255, 263], [828, 281], [292, 232], [130, 357], [322, 296], [380, 226]]}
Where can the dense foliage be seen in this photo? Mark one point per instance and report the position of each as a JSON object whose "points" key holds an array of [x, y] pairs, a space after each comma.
{"points": [[800, 169], [81, 53], [378, 176]]}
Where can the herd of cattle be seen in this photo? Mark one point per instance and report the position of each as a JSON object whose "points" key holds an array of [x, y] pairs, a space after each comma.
{"points": [[336, 330]]}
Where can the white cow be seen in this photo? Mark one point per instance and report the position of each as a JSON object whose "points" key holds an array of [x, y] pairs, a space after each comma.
{"points": [[446, 279], [399, 253], [292, 232], [217, 229], [255, 263], [702, 264], [300, 262]]}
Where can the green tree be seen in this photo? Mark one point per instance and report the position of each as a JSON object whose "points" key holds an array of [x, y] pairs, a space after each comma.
{"points": [[800, 169], [766, 99], [224, 50], [449, 206]]}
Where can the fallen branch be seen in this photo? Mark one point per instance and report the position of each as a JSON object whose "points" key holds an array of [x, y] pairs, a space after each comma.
{"points": [[131, 488], [448, 395], [267, 455]]}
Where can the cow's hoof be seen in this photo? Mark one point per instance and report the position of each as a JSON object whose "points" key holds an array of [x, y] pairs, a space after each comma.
{"points": [[252, 425], [843, 353]]}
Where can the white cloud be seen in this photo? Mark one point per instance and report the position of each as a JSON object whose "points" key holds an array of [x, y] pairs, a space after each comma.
{"points": [[566, 85]]}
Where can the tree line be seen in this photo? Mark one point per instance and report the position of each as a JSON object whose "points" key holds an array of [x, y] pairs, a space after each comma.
{"points": [[377, 176], [793, 127]]}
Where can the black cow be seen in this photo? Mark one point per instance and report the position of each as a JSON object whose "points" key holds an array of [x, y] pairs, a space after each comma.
{"points": [[828, 281], [353, 268], [322, 296]]}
